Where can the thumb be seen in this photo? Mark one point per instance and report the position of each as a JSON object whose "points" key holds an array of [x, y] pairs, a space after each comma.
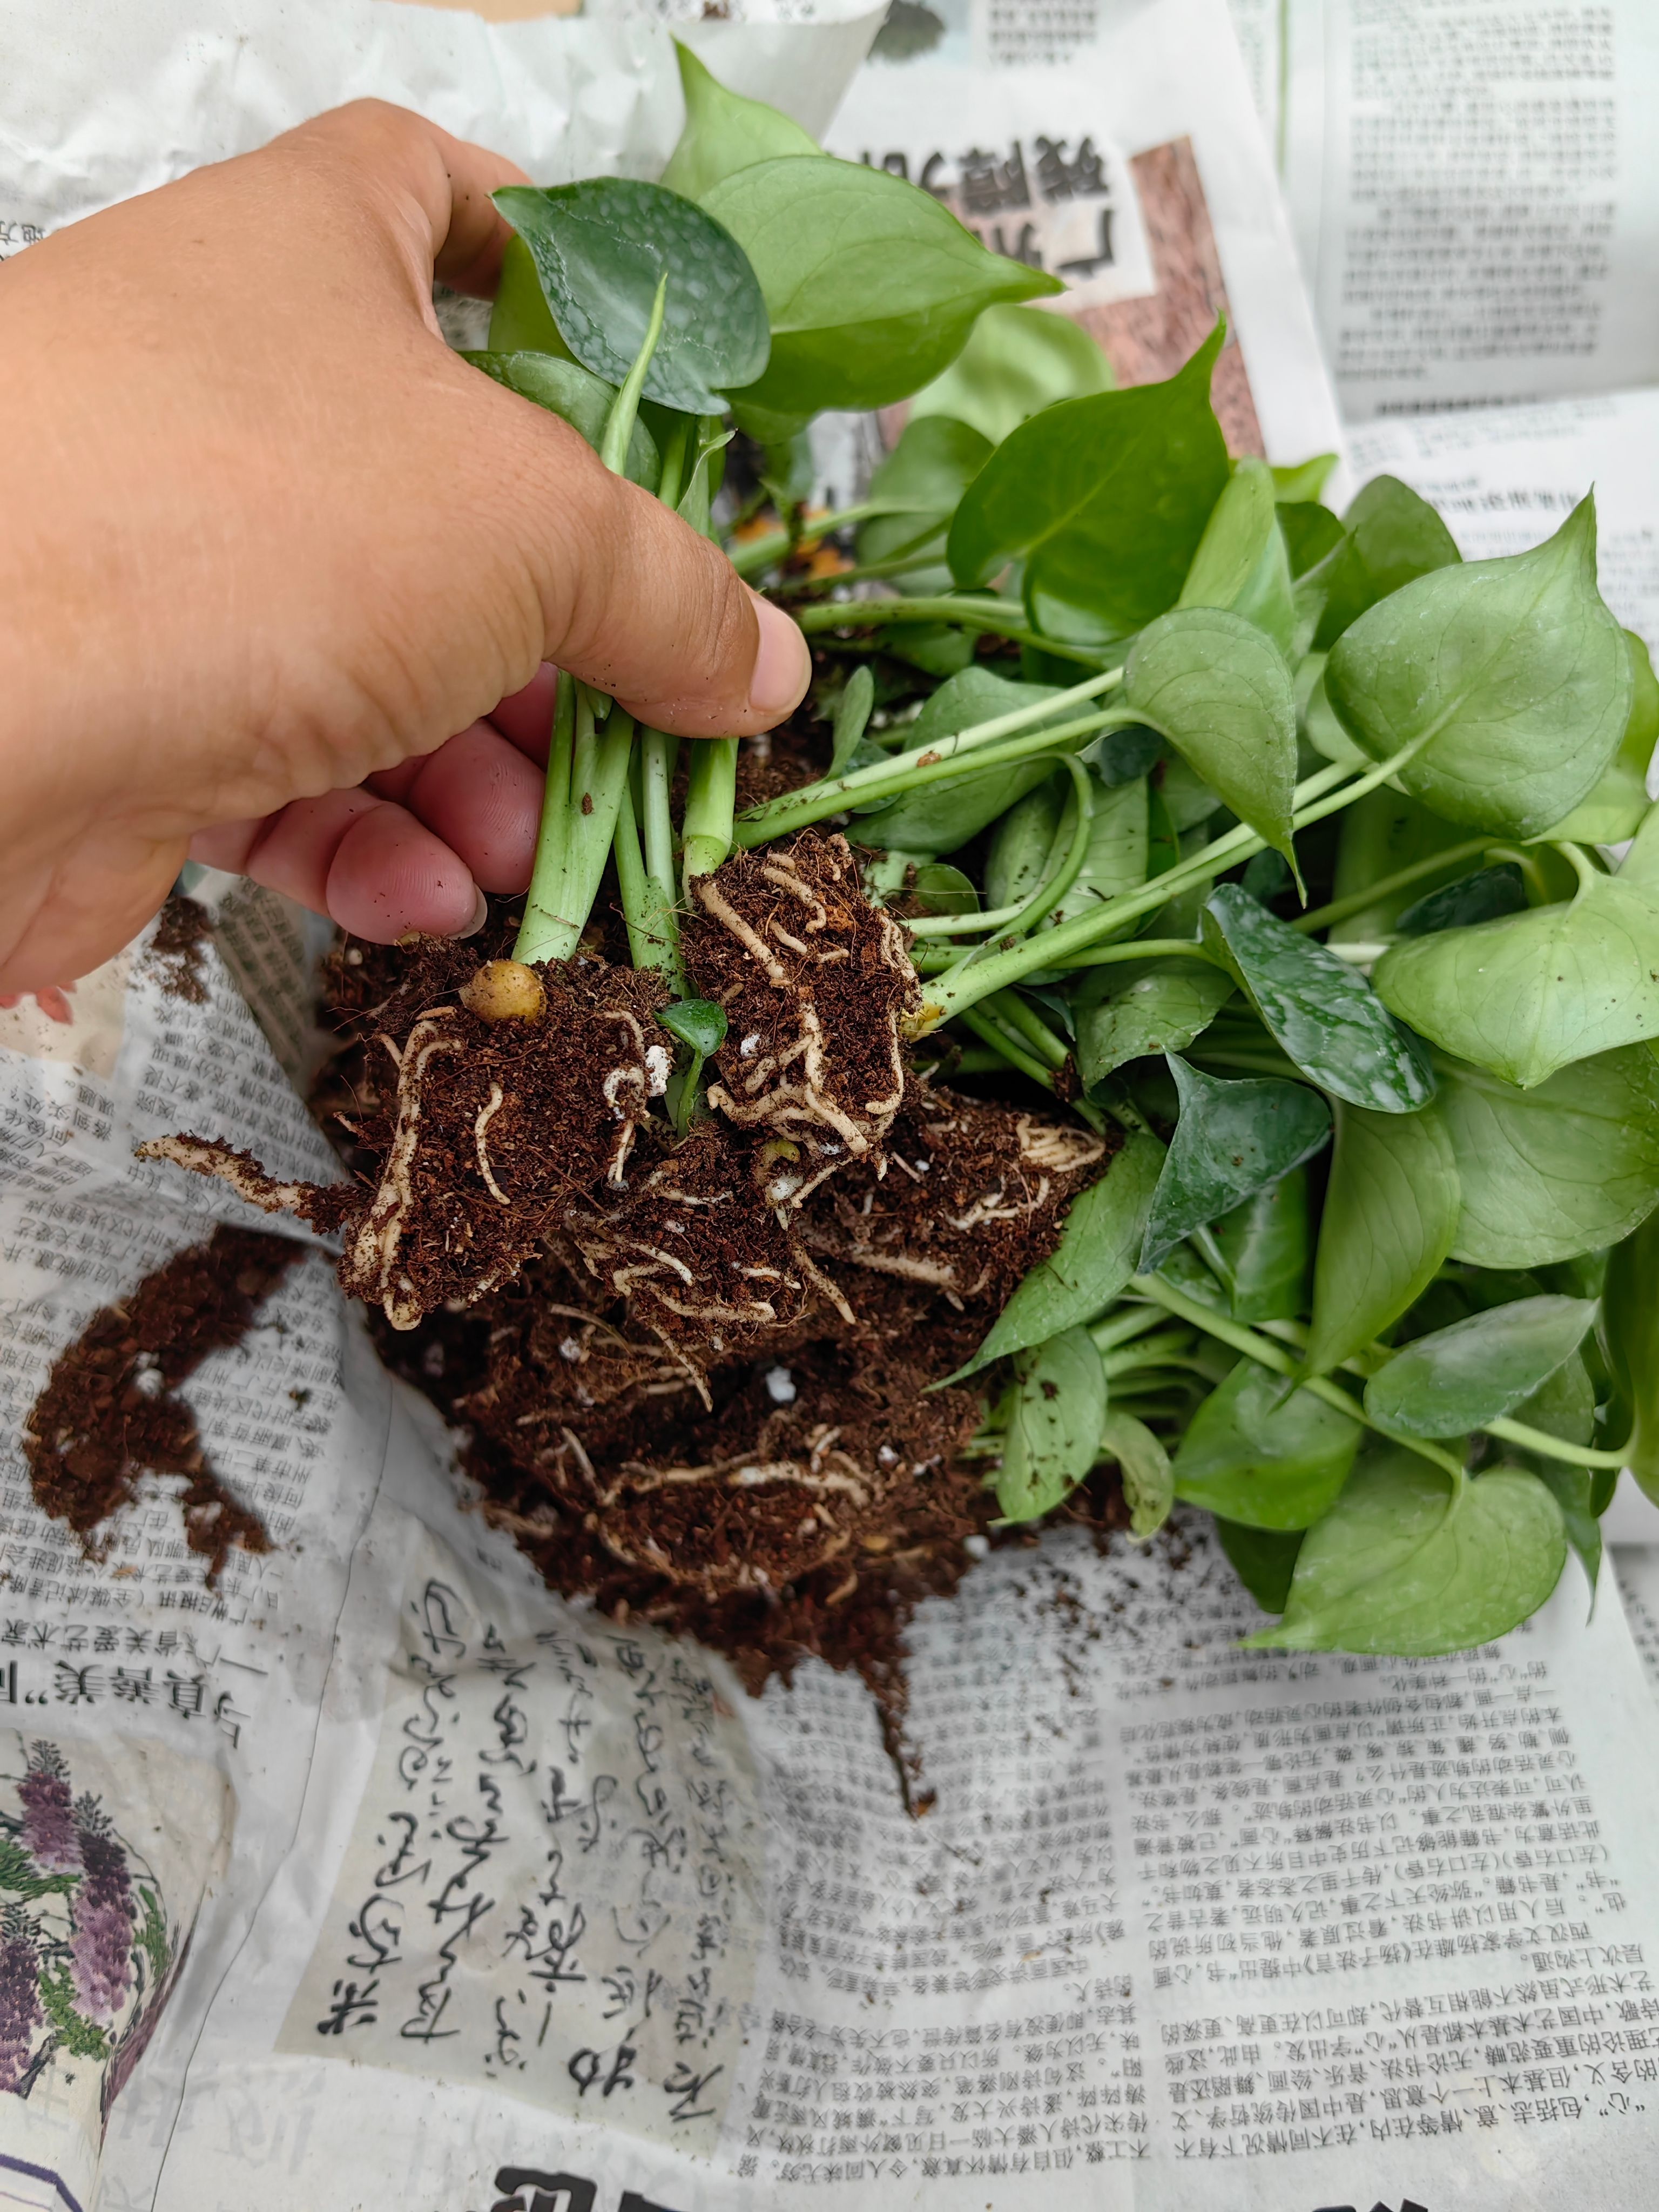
{"points": [[637, 602]]}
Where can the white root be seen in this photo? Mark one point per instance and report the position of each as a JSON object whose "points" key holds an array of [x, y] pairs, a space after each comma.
{"points": [[373, 1252], [486, 1115], [716, 903], [204, 1157], [1061, 1150]]}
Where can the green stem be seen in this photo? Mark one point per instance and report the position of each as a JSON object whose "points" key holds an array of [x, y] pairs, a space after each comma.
{"points": [[1011, 1011], [625, 407], [1123, 1326], [996, 617], [857, 785], [1548, 1447], [1538, 890], [544, 902], [710, 793], [1006, 1048], [657, 756], [1056, 947], [1586, 872], [671, 481], [1266, 1354], [761, 552], [1325, 917], [654, 938]]}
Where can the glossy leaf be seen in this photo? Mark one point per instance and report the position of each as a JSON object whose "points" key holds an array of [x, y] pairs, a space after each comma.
{"points": [[1391, 1212], [872, 287], [724, 132], [1267, 1244], [1310, 533], [700, 1023], [1486, 896], [1055, 1425], [1020, 843], [1615, 808], [1457, 1379], [1322, 1013], [520, 320], [1534, 992], [921, 481], [935, 887], [1402, 1565], [1255, 1455], [1570, 1167], [1232, 1140], [1096, 1256], [601, 248], [1301, 482], [1104, 500], [1220, 692], [940, 816], [1241, 562], [1017, 362], [1511, 673], [853, 710], [568, 390], [1148, 1477], [1264, 1560], [1630, 1335], [1144, 1008], [1115, 861], [1390, 537]]}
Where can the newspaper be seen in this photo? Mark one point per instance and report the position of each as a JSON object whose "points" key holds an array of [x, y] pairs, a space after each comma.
{"points": [[1474, 185], [1138, 177], [377, 1874]]}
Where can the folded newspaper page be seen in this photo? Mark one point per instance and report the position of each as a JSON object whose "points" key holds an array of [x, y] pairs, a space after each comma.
{"points": [[1142, 180]]}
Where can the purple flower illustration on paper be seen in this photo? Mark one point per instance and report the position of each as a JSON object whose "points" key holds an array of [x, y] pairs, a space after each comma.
{"points": [[87, 1957]]}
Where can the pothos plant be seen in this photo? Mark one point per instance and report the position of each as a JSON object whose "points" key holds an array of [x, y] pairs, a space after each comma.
{"points": [[1278, 848]]}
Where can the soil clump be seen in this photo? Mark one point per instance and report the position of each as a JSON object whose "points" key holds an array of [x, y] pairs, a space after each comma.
{"points": [[174, 957], [111, 1413]]}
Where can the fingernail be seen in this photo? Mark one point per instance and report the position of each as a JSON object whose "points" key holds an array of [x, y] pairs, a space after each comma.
{"points": [[480, 916], [783, 667]]}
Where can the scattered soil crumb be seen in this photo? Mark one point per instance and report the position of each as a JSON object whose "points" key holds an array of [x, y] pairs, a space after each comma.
{"points": [[173, 957], [111, 1413]]}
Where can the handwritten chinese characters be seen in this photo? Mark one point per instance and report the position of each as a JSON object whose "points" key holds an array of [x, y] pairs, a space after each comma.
{"points": [[553, 1884]]}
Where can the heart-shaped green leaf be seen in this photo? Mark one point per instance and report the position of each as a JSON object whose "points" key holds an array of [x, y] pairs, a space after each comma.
{"points": [[1390, 536], [1017, 362], [1094, 1258], [1570, 1167], [872, 287], [1616, 808], [1221, 691], [920, 483], [1511, 676], [1148, 1477], [941, 817], [1055, 1425], [1403, 1566], [724, 132], [1322, 1013], [1241, 562], [1115, 861], [852, 717], [1125, 1012], [602, 247], [1486, 896], [1232, 1140], [1267, 1244], [1535, 992], [1391, 1213], [1103, 499], [1459, 1378], [568, 391], [1256, 1456], [1264, 1560]]}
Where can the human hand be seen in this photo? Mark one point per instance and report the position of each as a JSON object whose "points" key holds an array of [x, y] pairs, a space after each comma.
{"points": [[269, 543]]}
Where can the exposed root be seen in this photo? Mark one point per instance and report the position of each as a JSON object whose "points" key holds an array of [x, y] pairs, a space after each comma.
{"points": [[816, 983], [324, 1204]]}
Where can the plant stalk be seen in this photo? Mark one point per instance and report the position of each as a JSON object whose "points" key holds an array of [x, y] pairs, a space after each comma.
{"points": [[543, 909], [996, 617], [710, 796]]}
